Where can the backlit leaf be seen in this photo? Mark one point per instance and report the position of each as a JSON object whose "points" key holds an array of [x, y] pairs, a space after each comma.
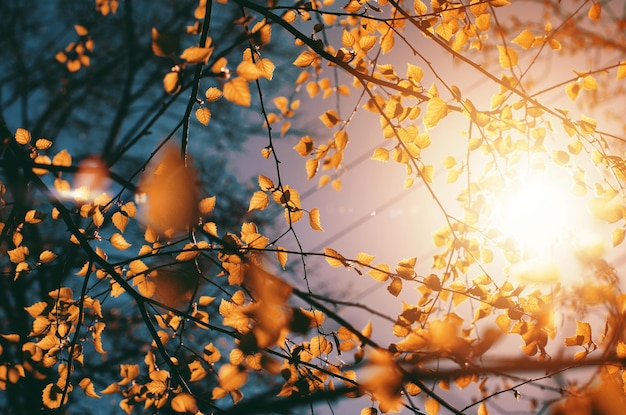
{"points": [[184, 402], [334, 258], [381, 154], [314, 220], [330, 118], [120, 221], [380, 272], [18, 254], [203, 115], [118, 242], [508, 57], [249, 71], [207, 205], [171, 82], [195, 54], [436, 110], [259, 200], [87, 386], [305, 146], [482, 409], [237, 91], [22, 136], [231, 378], [47, 256], [212, 94], [595, 11], [281, 255], [621, 70], [525, 39], [266, 67], [305, 59]]}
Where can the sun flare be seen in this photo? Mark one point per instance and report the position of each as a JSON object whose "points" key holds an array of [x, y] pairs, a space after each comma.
{"points": [[548, 223]]}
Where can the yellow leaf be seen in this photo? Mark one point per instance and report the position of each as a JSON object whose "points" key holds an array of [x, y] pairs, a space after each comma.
{"points": [[508, 57], [621, 70], [34, 217], [47, 256], [87, 386], [265, 183], [231, 378], [13, 338], [381, 154], [414, 73], [22, 136], [249, 71], [184, 402], [419, 7], [334, 258], [525, 39], [583, 329], [18, 254], [195, 54], [380, 272], [259, 200], [330, 118], [266, 67], [305, 146], [364, 259], [449, 162], [353, 6], [212, 94], [52, 395], [595, 11], [207, 205], [347, 40], [367, 42], [341, 140], [171, 82], [573, 90], [483, 22], [311, 168], [618, 236], [314, 220], [590, 83], [560, 157], [482, 409], [43, 144], [305, 59], [203, 115], [436, 109], [281, 255], [62, 158], [118, 242], [237, 91], [120, 221]]}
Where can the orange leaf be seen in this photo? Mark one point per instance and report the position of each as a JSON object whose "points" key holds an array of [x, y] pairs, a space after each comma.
{"points": [[595, 11], [237, 91], [314, 220], [195, 54], [203, 115], [305, 59]]}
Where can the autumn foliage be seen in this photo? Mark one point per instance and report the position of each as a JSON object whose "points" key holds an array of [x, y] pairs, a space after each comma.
{"points": [[135, 273]]}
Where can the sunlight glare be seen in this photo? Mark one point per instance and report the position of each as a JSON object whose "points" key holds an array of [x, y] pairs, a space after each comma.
{"points": [[549, 225]]}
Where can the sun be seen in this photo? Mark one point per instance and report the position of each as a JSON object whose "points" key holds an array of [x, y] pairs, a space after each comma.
{"points": [[547, 222]]}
